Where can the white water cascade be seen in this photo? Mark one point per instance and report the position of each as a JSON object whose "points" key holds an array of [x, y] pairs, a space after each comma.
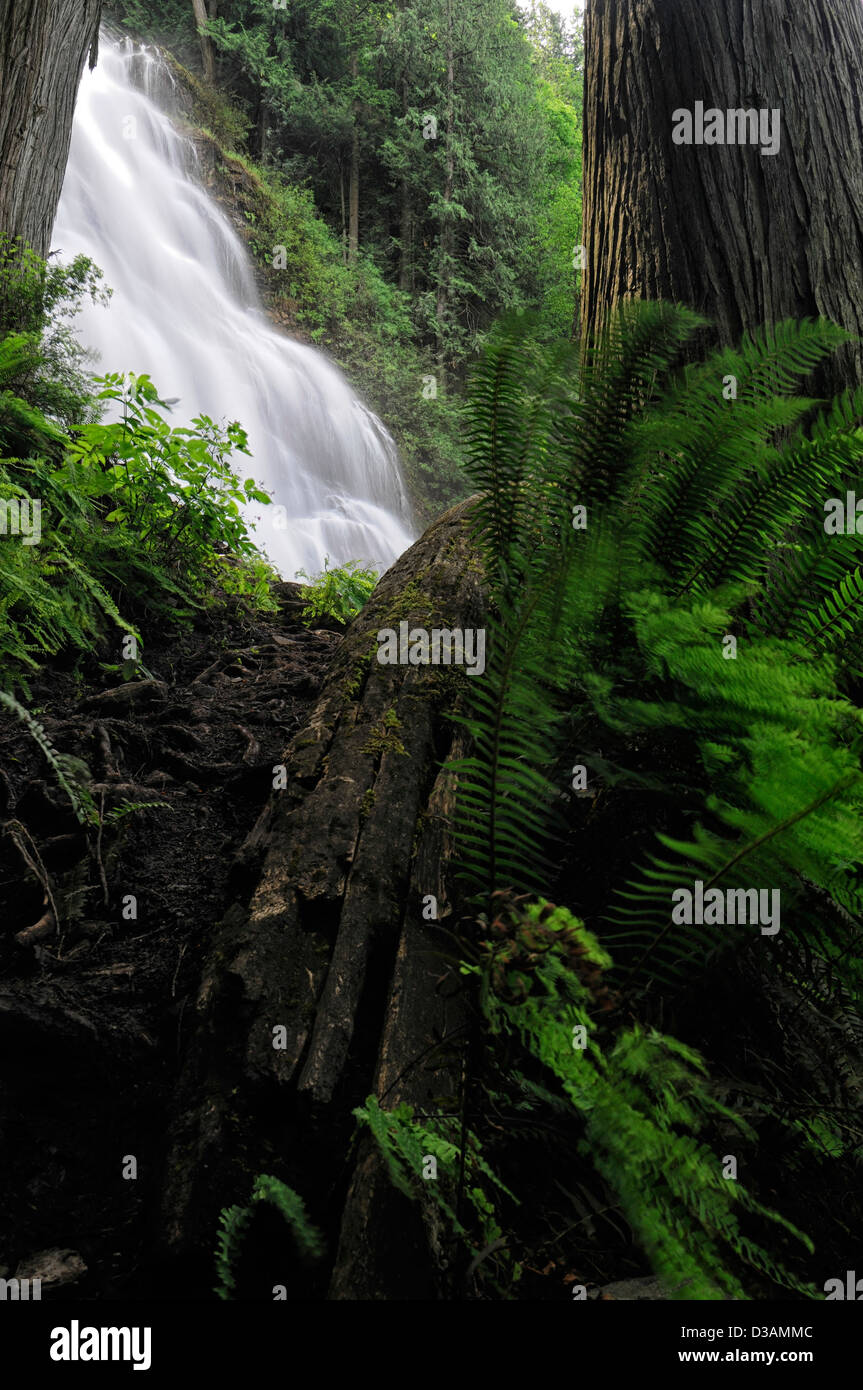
{"points": [[186, 310]]}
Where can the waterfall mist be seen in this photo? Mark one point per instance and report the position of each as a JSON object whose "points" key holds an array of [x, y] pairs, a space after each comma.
{"points": [[186, 311]]}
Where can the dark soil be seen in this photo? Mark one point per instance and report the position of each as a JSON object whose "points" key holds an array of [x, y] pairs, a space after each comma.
{"points": [[93, 1007]]}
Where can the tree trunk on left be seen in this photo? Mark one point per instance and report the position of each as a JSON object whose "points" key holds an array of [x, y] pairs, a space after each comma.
{"points": [[42, 52]]}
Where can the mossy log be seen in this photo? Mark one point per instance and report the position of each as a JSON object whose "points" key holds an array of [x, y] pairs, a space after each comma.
{"points": [[330, 946]]}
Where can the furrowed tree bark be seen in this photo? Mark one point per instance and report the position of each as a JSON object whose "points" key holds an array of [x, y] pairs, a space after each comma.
{"points": [[744, 238], [387, 1249], [332, 946], [42, 51]]}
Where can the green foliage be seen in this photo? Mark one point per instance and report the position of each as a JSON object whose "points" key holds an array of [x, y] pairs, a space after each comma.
{"points": [[690, 500], [42, 364], [234, 1224], [777, 744], [558, 234], [407, 1141], [634, 516], [173, 487], [50, 600], [558, 58], [644, 1098], [171, 22], [131, 808], [643, 1101], [473, 187], [131, 514], [506, 800], [337, 593], [307, 271]]}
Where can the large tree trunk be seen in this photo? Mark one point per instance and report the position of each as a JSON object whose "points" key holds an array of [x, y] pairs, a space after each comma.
{"points": [[333, 946], [42, 51], [745, 237]]}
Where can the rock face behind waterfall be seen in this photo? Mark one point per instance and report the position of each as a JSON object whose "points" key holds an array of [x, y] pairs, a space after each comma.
{"points": [[332, 946]]}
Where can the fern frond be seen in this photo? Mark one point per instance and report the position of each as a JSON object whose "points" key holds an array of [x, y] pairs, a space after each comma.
{"points": [[234, 1223], [643, 1101], [80, 798]]}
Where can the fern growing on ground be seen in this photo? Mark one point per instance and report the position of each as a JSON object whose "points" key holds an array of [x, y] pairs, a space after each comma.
{"points": [[234, 1225], [669, 617], [408, 1143], [615, 628], [644, 1098], [79, 796], [337, 593]]}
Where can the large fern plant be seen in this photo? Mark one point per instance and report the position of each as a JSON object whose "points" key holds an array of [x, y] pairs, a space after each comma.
{"points": [[671, 620], [703, 496]]}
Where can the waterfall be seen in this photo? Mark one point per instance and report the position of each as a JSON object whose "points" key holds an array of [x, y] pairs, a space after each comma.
{"points": [[186, 310]]}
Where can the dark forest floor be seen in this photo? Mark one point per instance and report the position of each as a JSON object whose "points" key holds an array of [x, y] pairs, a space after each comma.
{"points": [[92, 1017]]}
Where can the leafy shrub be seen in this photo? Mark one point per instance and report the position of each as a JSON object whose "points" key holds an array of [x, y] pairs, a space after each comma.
{"points": [[643, 1099], [643, 1096], [135, 515], [43, 362], [337, 593], [173, 487]]}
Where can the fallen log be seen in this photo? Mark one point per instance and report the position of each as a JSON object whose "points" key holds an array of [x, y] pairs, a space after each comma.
{"points": [[327, 985]]}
